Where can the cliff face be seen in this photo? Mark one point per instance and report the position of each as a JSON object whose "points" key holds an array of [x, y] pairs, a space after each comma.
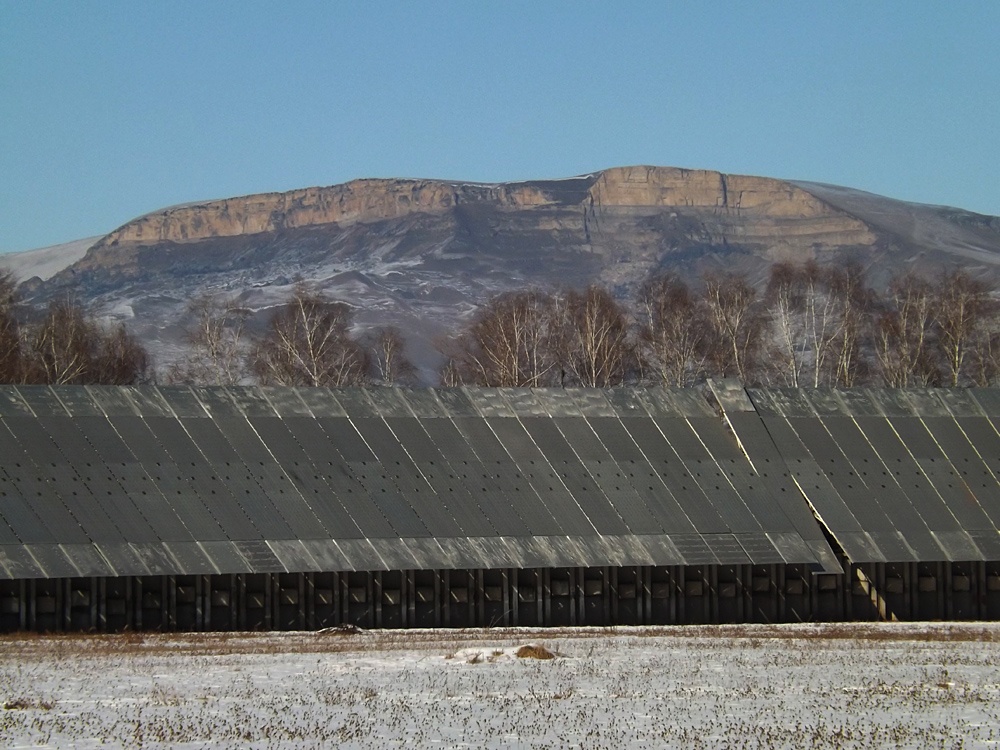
{"points": [[377, 200], [422, 254], [360, 200]]}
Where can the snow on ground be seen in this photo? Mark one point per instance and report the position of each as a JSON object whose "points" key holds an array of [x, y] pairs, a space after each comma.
{"points": [[45, 262], [842, 686]]}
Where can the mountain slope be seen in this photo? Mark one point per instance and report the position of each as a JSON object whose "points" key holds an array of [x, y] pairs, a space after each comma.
{"points": [[422, 254]]}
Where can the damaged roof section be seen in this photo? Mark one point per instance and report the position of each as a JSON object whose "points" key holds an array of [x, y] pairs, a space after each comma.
{"points": [[894, 475]]}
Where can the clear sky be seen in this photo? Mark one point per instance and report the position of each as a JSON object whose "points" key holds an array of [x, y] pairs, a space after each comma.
{"points": [[112, 109]]}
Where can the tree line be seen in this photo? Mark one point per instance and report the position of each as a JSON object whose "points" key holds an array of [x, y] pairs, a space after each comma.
{"points": [[65, 346], [809, 326]]}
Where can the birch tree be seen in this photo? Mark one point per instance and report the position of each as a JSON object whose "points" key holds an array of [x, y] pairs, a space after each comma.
{"points": [[308, 343], [672, 331]]}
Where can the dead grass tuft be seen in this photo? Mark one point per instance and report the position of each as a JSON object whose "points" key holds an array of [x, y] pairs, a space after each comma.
{"points": [[534, 651], [23, 704]]}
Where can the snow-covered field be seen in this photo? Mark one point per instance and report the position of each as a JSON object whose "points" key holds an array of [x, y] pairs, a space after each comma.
{"points": [[841, 686]]}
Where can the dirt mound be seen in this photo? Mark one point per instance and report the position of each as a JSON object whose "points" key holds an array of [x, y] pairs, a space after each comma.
{"points": [[533, 651]]}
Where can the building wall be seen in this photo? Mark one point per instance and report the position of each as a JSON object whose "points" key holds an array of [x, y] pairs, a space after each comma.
{"points": [[597, 596]]}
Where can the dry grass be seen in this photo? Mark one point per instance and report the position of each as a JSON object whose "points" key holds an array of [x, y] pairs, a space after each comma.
{"points": [[236, 643]]}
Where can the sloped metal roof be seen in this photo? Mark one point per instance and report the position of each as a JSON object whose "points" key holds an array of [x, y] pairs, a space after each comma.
{"points": [[895, 475], [103, 481]]}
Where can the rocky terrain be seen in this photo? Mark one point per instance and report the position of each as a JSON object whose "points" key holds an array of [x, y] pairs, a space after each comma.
{"points": [[422, 254]]}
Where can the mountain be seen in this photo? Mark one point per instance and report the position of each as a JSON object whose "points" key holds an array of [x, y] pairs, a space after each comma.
{"points": [[422, 254]]}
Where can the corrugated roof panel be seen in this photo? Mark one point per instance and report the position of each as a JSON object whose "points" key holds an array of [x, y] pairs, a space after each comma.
{"points": [[17, 562], [759, 548], [424, 403], [225, 557], [250, 402], [456, 402], [357, 403], [389, 402], [123, 559], [957, 546], [259, 556], [321, 402], [284, 402], [987, 542], [988, 399], [217, 402], [52, 561], [327, 554], [42, 401], [191, 558], [12, 405], [361, 554], [181, 402], [791, 547], [660, 550], [960, 403], [686, 402], [728, 550], [557, 402], [675, 476], [76, 400], [626, 402], [695, 549], [87, 559], [559, 504], [592, 402], [148, 402], [293, 555], [157, 559], [20, 515]]}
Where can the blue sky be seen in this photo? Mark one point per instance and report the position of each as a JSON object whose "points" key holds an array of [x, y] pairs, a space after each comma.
{"points": [[109, 110]]}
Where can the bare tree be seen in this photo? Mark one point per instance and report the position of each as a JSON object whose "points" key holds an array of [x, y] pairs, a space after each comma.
{"points": [[816, 317], [510, 342], [69, 347], [219, 346], [672, 335], [737, 321], [11, 365], [389, 363], [119, 359], [62, 345], [595, 348], [903, 334], [308, 342], [961, 308], [854, 302], [786, 301]]}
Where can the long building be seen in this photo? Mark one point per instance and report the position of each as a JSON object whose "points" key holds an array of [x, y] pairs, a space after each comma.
{"points": [[290, 508]]}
